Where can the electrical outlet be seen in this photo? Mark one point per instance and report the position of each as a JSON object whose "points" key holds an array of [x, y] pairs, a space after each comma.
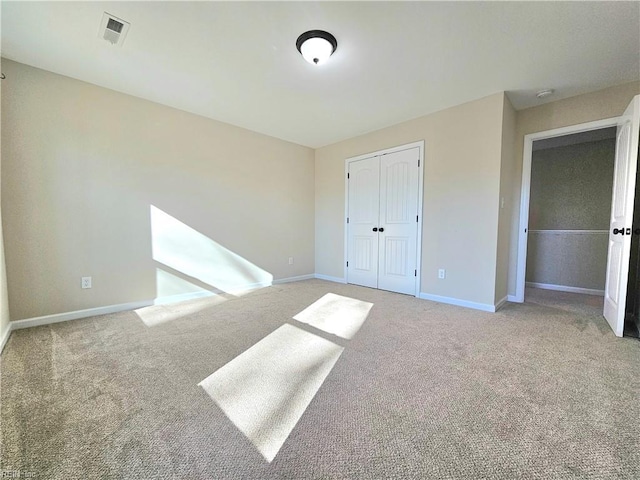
{"points": [[441, 273], [290, 260], [86, 282]]}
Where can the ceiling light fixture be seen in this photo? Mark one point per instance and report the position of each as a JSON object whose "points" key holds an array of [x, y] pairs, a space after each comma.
{"points": [[316, 46], [544, 93]]}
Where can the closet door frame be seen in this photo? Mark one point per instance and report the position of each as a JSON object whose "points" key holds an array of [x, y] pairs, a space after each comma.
{"points": [[525, 191], [399, 148]]}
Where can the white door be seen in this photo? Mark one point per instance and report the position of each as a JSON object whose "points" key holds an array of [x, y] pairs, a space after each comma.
{"points": [[615, 291], [382, 229], [363, 218], [398, 229]]}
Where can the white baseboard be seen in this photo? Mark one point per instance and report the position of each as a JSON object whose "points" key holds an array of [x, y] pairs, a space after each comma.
{"points": [[242, 289], [500, 304], [330, 279], [294, 279], [89, 312], [485, 307], [5, 337], [181, 297], [564, 288]]}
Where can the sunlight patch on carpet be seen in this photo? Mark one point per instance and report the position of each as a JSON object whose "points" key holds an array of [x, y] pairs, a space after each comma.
{"points": [[265, 390], [341, 316]]}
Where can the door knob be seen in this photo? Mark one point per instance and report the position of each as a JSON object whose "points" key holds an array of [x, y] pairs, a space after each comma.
{"points": [[617, 231], [375, 229], [381, 229]]}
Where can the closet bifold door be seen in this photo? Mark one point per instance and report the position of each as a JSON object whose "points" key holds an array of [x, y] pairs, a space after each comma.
{"points": [[382, 228], [364, 208]]}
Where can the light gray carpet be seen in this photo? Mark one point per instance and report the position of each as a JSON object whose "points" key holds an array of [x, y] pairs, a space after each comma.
{"points": [[579, 303], [422, 390]]}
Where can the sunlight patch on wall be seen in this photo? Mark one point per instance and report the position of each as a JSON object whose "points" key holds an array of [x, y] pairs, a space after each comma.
{"points": [[265, 390], [341, 316], [193, 254], [168, 285]]}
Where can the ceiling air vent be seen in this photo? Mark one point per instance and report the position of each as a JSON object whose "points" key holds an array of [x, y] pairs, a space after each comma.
{"points": [[113, 29]]}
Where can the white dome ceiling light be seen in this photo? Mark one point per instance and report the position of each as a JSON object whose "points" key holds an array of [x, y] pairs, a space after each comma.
{"points": [[544, 93], [316, 46]]}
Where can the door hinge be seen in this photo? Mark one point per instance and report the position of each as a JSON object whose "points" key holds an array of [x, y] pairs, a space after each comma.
{"points": [[415, 273], [347, 219], [347, 175], [347, 264], [416, 218], [418, 162]]}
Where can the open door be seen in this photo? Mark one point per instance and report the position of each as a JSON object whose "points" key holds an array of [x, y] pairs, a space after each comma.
{"points": [[624, 181]]}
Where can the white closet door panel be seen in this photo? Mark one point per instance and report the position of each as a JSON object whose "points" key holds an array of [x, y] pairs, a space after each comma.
{"points": [[363, 214], [398, 221]]}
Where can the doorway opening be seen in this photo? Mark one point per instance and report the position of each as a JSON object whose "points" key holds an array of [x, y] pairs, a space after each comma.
{"points": [[569, 212], [548, 142], [620, 228]]}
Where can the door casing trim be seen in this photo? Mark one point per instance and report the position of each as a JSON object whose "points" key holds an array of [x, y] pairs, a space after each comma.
{"points": [[525, 190]]}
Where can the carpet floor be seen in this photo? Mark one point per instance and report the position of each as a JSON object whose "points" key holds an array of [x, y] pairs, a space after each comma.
{"points": [[409, 389]]}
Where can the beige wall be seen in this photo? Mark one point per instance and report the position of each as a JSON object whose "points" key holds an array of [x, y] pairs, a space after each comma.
{"points": [[461, 196], [4, 300], [82, 165], [607, 103]]}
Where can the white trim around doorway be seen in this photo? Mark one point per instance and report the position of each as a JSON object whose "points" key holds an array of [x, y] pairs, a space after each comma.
{"points": [[523, 227]]}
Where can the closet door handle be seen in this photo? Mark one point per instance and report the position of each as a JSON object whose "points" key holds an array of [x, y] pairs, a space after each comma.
{"points": [[381, 229], [617, 231], [375, 229]]}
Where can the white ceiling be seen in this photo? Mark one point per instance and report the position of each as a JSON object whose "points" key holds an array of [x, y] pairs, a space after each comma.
{"points": [[237, 61]]}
